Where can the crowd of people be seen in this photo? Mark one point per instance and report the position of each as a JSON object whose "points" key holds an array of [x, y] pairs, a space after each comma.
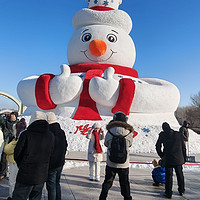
{"points": [[36, 155], [170, 146]]}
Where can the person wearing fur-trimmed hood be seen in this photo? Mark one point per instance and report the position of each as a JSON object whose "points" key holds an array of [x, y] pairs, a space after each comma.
{"points": [[95, 150], [117, 126]]}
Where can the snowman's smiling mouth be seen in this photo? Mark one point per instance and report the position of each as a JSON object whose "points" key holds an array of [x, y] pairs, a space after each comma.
{"points": [[102, 60]]}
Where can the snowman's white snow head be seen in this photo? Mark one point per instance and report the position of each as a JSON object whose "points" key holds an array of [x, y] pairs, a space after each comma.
{"points": [[101, 35]]}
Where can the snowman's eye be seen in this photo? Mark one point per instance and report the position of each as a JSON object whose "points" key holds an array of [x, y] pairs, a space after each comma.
{"points": [[86, 37], [112, 38]]}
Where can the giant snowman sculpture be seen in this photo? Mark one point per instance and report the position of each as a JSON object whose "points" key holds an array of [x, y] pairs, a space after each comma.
{"points": [[99, 79]]}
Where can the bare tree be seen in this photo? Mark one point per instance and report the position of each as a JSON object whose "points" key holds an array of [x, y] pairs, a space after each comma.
{"points": [[193, 116], [182, 114], [190, 113], [196, 100]]}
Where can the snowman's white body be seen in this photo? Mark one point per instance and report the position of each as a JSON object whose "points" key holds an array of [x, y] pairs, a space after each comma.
{"points": [[152, 96]]}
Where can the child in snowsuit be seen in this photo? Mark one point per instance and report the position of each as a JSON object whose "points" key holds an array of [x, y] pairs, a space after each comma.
{"points": [[158, 173], [95, 135]]}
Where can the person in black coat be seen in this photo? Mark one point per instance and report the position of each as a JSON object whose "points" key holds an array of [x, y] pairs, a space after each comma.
{"points": [[57, 159], [184, 130], [174, 152], [32, 155]]}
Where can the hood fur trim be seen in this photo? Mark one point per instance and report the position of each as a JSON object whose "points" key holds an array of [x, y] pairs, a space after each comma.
{"points": [[125, 125]]}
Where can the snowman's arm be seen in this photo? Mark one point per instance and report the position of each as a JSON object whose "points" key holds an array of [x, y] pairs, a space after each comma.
{"points": [[34, 92], [42, 95], [47, 91], [110, 92], [65, 88], [155, 96], [26, 91], [147, 95]]}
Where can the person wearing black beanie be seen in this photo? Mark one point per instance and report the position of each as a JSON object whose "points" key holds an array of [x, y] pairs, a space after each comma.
{"points": [[120, 129]]}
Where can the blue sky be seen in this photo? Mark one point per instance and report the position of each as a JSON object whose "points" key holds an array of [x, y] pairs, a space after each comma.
{"points": [[34, 35]]}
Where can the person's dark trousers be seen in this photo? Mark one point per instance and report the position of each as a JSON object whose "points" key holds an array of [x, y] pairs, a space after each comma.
{"points": [[3, 165], [123, 174], [169, 179], [53, 184], [24, 192], [180, 178]]}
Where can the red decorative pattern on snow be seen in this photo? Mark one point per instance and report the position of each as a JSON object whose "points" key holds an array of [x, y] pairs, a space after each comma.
{"points": [[87, 109], [126, 95], [83, 129], [42, 96], [135, 134]]}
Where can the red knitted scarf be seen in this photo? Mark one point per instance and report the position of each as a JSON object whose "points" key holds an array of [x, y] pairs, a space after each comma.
{"points": [[97, 145]]}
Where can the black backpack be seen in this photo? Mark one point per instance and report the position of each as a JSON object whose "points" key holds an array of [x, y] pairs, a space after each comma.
{"points": [[118, 152]]}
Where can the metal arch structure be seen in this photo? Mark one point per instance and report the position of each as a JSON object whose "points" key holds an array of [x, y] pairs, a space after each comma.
{"points": [[21, 107]]}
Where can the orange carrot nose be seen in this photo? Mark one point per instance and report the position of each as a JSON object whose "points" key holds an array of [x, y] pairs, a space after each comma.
{"points": [[97, 47]]}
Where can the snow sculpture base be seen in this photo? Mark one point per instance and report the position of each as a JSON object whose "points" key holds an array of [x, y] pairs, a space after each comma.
{"points": [[148, 126]]}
